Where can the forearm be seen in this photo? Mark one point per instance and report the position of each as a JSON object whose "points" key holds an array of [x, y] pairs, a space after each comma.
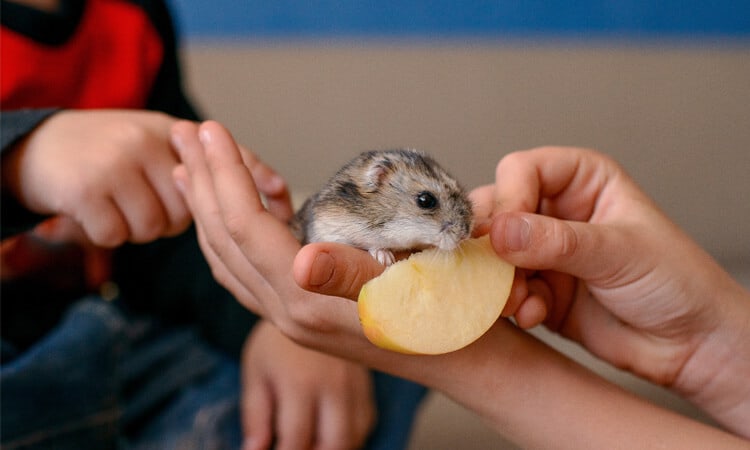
{"points": [[540, 399]]}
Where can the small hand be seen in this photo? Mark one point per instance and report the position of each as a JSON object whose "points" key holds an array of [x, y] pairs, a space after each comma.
{"points": [[296, 398], [251, 251], [108, 170]]}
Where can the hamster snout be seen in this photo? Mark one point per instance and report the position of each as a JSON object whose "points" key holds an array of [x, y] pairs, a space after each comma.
{"points": [[388, 200]]}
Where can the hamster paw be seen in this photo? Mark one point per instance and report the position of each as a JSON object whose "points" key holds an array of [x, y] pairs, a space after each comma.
{"points": [[383, 256]]}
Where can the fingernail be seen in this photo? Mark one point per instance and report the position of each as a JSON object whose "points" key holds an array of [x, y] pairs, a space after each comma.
{"points": [[179, 183], [322, 269], [276, 183], [248, 444], [177, 142], [517, 233], [205, 136]]}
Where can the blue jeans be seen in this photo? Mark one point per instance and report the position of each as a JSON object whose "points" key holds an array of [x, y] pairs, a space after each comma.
{"points": [[104, 380]]}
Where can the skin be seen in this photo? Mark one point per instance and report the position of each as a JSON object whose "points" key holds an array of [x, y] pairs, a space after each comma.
{"points": [[650, 302], [314, 385], [115, 186], [572, 279]]}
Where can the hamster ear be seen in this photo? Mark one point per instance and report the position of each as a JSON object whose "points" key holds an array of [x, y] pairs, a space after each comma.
{"points": [[377, 173]]}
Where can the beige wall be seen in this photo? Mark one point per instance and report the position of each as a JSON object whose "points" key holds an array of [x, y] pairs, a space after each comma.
{"points": [[678, 118]]}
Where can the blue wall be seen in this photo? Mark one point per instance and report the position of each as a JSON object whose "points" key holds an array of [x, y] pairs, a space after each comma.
{"points": [[425, 19]]}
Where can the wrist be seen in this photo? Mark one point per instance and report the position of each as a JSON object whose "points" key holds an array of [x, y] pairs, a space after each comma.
{"points": [[716, 375], [17, 217]]}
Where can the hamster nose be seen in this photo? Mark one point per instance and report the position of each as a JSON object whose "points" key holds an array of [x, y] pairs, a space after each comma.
{"points": [[462, 231]]}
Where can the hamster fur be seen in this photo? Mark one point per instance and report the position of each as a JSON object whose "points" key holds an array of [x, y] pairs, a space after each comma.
{"points": [[385, 201]]}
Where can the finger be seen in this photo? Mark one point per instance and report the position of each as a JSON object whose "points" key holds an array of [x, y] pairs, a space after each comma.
{"points": [[229, 280], [103, 222], [296, 422], [483, 204], [271, 185], [176, 211], [516, 183], [338, 425], [193, 181], [333, 430], [254, 245], [219, 268], [524, 305], [557, 289], [362, 411], [257, 409], [574, 177], [334, 269], [142, 209], [62, 229], [588, 251], [518, 293], [254, 230], [531, 313]]}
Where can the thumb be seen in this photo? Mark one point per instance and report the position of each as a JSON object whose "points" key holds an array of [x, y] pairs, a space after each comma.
{"points": [[334, 269], [587, 251]]}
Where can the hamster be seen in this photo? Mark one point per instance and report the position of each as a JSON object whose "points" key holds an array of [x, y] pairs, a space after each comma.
{"points": [[387, 200]]}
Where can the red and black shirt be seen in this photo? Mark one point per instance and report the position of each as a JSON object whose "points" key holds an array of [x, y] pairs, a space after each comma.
{"points": [[103, 54]]}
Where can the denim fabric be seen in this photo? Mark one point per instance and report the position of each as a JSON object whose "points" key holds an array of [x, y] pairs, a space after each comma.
{"points": [[63, 391], [397, 401], [103, 380]]}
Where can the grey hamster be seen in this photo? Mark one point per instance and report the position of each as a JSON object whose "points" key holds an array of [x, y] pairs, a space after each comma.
{"points": [[385, 201]]}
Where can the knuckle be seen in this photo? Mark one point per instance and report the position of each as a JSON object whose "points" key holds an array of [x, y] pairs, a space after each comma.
{"points": [[82, 191], [512, 159], [304, 316], [302, 323], [130, 133], [177, 225], [148, 222], [150, 229], [236, 226], [566, 239], [110, 234]]}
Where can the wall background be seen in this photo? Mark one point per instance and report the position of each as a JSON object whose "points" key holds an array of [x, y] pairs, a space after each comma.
{"points": [[661, 86]]}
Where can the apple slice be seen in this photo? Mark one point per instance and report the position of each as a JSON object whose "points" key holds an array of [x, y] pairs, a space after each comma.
{"points": [[436, 301]]}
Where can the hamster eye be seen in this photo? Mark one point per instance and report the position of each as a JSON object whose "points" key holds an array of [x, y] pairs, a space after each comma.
{"points": [[426, 200]]}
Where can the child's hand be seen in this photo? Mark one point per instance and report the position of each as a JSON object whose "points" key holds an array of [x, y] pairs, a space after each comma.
{"points": [[110, 171], [606, 268], [297, 398]]}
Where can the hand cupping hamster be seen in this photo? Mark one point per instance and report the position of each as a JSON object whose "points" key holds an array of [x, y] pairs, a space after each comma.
{"points": [[385, 201]]}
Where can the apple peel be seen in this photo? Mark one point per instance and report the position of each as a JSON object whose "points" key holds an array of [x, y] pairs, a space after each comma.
{"points": [[435, 301]]}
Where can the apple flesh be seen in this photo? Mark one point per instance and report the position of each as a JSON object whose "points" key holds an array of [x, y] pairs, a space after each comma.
{"points": [[436, 301]]}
